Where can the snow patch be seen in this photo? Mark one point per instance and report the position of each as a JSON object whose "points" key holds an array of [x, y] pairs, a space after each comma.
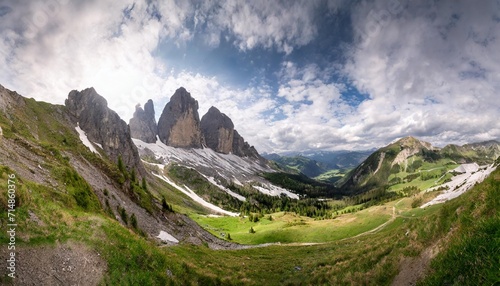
{"points": [[97, 144], [167, 237], [213, 182], [225, 165], [237, 182], [272, 190], [380, 161], [190, 193], [466, 168], [85, 140], [470, 175]]}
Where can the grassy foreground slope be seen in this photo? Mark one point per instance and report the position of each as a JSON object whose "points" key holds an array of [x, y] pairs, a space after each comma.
{"points": [[466, 230]]}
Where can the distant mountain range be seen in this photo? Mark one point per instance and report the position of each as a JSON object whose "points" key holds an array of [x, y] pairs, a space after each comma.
{"points": [[409, 155], [314, 164]]}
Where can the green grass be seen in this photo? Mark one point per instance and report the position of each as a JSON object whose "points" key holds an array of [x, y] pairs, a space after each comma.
{"points": [[431, 169], [473, 253], [290, 228], [371, 259], [332, 176]]}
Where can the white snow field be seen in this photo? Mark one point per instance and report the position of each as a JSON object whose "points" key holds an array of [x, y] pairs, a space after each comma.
{"points": [[469, 175], [195, 197], [85, 140], [209, 163], [167, 237]]}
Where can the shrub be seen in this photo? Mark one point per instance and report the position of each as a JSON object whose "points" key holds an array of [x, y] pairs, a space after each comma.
{"points": [[165, 206], [123, 215], [133, 221], [416, 202]]}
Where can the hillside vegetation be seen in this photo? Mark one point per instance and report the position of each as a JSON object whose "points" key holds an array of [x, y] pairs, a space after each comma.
{"points": [[465, 231], [71, 202]]}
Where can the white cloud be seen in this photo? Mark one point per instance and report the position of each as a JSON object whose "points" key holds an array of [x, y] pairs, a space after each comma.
{"points": [[431, 69], [269, 24]]}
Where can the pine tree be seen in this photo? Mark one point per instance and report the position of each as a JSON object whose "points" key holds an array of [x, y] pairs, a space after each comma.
{"points": [[133, 221], [133, 175], [121, 167]]}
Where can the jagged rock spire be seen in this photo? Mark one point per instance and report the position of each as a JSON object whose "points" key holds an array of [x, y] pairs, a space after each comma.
{"points": [[143, 123], [179, 123]]}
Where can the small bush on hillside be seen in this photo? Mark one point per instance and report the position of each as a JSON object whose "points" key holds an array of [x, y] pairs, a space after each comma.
{"points": [[251, 230], [133, 221], [416, 202], [253, 217], [123, 214], [165, 206]]}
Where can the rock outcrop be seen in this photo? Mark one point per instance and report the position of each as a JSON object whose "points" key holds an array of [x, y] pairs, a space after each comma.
{"points": [[409, 147], [103, 126], [10, 99], [143, 123], [179, 123], [218, 131], [242, 148]]}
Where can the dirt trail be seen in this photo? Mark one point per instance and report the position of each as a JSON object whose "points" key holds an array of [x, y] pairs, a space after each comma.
{"points": [[393, 217], [414, 268], [62, 264]]}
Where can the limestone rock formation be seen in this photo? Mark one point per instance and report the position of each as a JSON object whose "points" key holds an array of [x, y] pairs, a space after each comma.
{"points": [[143, 123], [242, 148], [9, 99], [179, 123], [103, 126], [218, 131]]}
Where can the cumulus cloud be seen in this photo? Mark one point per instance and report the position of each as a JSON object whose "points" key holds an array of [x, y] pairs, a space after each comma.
{"points": [[431, 69], [424, 68], [280, 24]]}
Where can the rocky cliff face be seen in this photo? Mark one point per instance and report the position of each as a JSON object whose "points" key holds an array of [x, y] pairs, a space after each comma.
{"points": [[179, 123], [102, 125], [143, 123], [9, 99], [242, 148], [218, 131]]}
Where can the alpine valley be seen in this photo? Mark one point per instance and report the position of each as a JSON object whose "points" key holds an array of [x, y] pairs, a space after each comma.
{"points": [[183, 200]]}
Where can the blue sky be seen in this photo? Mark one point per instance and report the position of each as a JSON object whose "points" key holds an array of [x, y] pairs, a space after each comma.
{"points": [[292, 75]]}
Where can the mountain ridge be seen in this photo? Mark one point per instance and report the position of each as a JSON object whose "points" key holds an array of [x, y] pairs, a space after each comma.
{"points": [[89, 111], [378, 167], [180, 126]]}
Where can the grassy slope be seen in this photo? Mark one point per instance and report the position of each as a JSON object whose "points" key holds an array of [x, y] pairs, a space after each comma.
{"points": [[289, 227], [370, 259], [429, 168], [469, 255]]}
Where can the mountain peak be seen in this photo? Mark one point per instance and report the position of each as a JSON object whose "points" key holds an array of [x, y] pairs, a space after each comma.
{"points": [[90, 112], [218, 131], [179, 123], [413, 142]]}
